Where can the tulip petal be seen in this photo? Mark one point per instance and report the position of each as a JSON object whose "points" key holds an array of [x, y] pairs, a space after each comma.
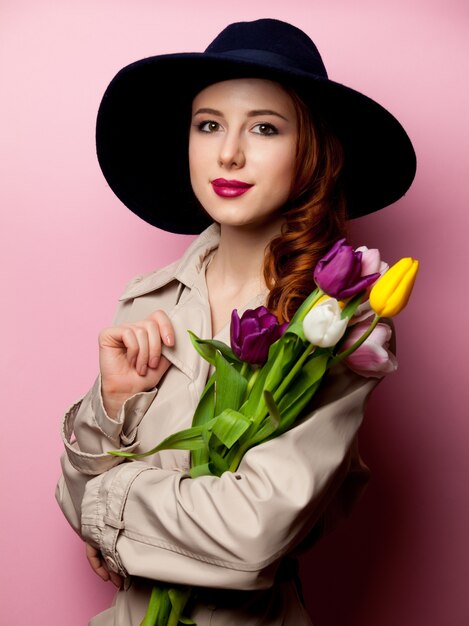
{"points": [[371, 260], [261, 311], [323, 326], [256, 347], [360, 285], [392, 291], [333, 251], [254, 333], [340, 272], [268, 321], [234, 332], [372, 359], [249, 326]]}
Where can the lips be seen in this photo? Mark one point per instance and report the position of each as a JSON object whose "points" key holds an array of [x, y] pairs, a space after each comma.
{"points": [[230, 188]]}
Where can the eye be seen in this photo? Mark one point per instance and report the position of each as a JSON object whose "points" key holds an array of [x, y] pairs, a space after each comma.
{"points": [[208, 126], [265, 129]]}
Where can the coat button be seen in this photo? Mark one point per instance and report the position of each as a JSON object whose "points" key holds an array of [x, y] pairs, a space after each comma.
{"points": [[111, 563]]}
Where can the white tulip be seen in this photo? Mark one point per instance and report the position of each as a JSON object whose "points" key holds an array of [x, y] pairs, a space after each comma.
{"points": [[323, 325]]}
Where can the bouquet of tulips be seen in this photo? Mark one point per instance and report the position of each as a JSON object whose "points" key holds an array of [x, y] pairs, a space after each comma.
{"points": [[269, 375]]}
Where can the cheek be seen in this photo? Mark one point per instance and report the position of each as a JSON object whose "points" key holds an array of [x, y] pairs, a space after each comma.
{"points": [[283, 169]]}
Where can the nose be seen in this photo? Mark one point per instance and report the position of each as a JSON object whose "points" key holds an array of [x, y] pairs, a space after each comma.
{"points": [[232, 151]]}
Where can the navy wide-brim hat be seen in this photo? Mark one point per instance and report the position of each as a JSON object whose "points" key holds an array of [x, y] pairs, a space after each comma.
{"points": [[144, 118]]}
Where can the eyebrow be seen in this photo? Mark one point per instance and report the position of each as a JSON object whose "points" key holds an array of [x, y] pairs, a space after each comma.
{"points": [[253, 113]]}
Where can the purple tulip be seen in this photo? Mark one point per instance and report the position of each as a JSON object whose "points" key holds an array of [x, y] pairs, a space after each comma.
{"points": [[254, 333], [339, 272]]}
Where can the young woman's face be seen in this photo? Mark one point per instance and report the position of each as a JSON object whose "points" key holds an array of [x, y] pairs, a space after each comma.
{"points": [[242, 146]]}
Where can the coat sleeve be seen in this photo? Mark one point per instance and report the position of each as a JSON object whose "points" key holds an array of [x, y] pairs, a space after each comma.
{"points": [[228, 531], [95, 434]]}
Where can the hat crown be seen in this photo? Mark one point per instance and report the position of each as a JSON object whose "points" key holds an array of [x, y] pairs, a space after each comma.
{"points": [[269, 38]]}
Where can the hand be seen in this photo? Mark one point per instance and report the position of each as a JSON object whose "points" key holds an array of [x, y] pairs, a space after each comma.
{"points": [[98, 566], [130, 358]]}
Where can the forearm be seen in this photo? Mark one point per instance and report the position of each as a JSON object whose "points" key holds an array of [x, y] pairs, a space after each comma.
{"points": [[95, 434], [161, 523]]}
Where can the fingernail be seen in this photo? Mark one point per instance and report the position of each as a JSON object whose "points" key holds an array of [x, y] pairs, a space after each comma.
{"points": [[154, 361], [169, 340], [143, 370]]}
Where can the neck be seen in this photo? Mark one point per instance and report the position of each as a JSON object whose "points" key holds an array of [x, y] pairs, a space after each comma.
{"points": [[239, 259]]}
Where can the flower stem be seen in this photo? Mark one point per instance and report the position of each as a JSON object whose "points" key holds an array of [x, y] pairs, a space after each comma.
{"points": [[244, 369], [293, 372], [251, 382], [357, 344], [307, 305]]}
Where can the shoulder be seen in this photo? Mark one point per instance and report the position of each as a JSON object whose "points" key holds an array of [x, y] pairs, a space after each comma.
{"points": [[184, 270], [146, 283]]}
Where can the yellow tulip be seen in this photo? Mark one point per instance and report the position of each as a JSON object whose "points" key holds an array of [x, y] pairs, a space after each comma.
{"points": [[391, 292]]}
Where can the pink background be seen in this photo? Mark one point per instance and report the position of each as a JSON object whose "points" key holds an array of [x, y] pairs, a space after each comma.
{"points": [[69, 247]]}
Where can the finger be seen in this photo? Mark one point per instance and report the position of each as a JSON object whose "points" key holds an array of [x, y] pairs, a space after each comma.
{"points": [[163, 365], [143, 349], [165, 326], [130, 341], [154, 342], [115, 579], [94, 560]]}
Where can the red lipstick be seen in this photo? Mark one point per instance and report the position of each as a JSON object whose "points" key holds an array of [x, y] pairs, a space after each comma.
{"points": [[230, 188]]}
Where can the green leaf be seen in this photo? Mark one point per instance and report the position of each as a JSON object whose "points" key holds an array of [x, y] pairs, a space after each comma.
{"points": [[305, 386], [204, 469], [254, 437], [188, 439], [218, 463], [231, 383], [203, 414], [296, 329], [285, 360], [311, 372], [229, 426], [315, 367], [250, 406], [266, 429], [208, 348], [306, 306], [352, 306], [272, 372], [274, 413], [291, 413], [206, 406]]}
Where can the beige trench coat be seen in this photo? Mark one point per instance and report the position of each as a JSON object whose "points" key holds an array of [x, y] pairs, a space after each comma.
{"points": [[231, 535]]}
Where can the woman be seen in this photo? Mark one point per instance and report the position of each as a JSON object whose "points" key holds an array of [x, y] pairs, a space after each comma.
{"points": [[278, 157]]}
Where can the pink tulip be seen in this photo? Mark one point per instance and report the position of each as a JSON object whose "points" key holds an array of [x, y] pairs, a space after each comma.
{"points": [[371, 261], [371, 264], [372, 359]]}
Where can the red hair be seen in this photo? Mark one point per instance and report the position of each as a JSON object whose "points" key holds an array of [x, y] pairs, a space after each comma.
{"points": [[315, 215]]}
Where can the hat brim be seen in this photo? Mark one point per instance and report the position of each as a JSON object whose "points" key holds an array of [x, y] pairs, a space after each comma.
{"points": [[143, 121]]}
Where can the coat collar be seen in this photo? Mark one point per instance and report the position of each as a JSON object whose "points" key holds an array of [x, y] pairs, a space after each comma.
{"points": [[186, 270], [193, 311]]}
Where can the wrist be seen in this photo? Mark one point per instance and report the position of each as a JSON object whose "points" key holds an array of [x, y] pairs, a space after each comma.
{"points": [[112, 400]]}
